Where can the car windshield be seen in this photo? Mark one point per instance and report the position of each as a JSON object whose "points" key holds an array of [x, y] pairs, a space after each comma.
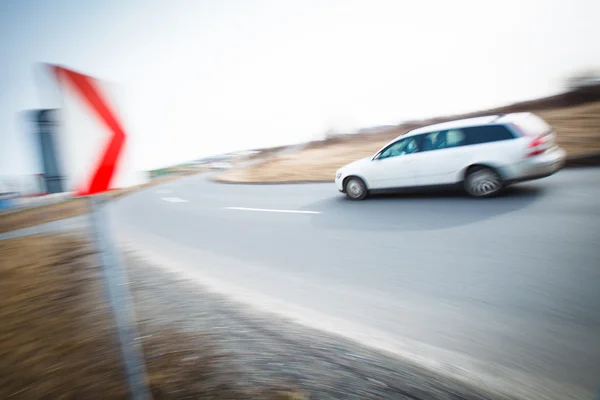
{"points": [[406, 146]]}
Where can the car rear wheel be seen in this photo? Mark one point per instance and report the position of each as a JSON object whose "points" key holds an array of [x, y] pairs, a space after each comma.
{"points": [[483, 182], [355, 188]]}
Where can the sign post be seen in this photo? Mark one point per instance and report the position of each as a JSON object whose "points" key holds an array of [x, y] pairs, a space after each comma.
{"points": [[117, 287], [93, 148]]}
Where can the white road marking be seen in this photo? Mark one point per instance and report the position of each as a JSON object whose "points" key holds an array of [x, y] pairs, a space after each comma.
{"points": [[173, 199], [271, 210]]}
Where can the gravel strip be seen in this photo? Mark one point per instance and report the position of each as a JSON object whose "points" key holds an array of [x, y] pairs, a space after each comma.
{"points": [[269, 350]]}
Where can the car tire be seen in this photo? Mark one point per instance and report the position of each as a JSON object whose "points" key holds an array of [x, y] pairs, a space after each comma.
{"points": [[355, 188], [483, 182]]}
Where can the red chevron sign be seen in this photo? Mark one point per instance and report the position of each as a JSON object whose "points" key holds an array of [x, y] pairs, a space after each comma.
{"points": [[88, 91]]}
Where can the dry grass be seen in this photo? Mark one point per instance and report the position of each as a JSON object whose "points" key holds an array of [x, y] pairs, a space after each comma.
{"points": [[57, 339], [577, 127], [311, 164], [69, 208]]}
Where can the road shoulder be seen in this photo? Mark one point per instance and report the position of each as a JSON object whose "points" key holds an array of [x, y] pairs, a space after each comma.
{"points": [[270, 349]]}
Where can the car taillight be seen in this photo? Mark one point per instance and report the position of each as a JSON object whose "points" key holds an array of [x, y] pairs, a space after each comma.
{"points": [[537, 146]]}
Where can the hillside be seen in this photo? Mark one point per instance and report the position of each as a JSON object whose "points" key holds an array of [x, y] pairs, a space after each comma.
{"points": [[575, 117]]}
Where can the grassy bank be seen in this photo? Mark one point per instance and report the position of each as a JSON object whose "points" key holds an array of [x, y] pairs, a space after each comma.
{"points": [[57, 338]]}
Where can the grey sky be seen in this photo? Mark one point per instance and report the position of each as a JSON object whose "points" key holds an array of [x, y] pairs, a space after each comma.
{"points": [[202, 77]]}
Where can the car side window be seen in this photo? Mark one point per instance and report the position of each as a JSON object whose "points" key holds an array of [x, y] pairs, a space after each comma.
{"points": [[487, 133], [401, 147], [444, 139]]}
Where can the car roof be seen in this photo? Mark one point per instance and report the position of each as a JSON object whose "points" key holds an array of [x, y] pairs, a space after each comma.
{"points": [[467, 122]]}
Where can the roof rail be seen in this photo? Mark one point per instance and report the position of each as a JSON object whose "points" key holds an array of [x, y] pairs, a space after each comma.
{"points": [[497, 117]]}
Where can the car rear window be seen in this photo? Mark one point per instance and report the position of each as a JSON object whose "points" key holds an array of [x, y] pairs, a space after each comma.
{"points": [[487, 133]]}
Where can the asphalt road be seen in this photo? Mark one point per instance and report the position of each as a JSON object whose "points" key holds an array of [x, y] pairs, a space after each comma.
{"points": [[499, 289]]}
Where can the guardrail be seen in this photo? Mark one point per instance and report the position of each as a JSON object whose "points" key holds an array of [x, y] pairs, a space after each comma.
{"points": [[7, 200], [13, 202]]}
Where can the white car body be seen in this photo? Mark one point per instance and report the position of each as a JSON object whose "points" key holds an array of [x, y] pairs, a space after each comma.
{"points": [[523, 148]]}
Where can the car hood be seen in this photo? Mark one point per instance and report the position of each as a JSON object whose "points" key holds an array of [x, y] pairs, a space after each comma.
{"points": [[357, 163]]}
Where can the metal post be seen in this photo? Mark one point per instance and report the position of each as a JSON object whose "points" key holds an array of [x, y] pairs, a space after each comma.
{"points": [[117, 287], [46, 130]]}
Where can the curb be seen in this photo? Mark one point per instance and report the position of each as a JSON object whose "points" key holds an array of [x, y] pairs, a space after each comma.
{"points": [[589, 160], [270, 183]]}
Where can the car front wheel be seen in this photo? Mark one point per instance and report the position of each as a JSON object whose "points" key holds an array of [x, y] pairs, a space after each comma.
{"points": [[355, 188], [483, 182]]}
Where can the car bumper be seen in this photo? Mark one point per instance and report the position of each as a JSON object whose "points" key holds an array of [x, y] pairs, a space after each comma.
{"points": [[538, 167], [339, 183]]}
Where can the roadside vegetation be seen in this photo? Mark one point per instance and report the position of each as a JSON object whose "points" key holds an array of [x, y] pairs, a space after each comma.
{"points": [[57, 338]]}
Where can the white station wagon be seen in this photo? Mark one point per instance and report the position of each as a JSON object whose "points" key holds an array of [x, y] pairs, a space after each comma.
{"points": [[483, 155]]}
